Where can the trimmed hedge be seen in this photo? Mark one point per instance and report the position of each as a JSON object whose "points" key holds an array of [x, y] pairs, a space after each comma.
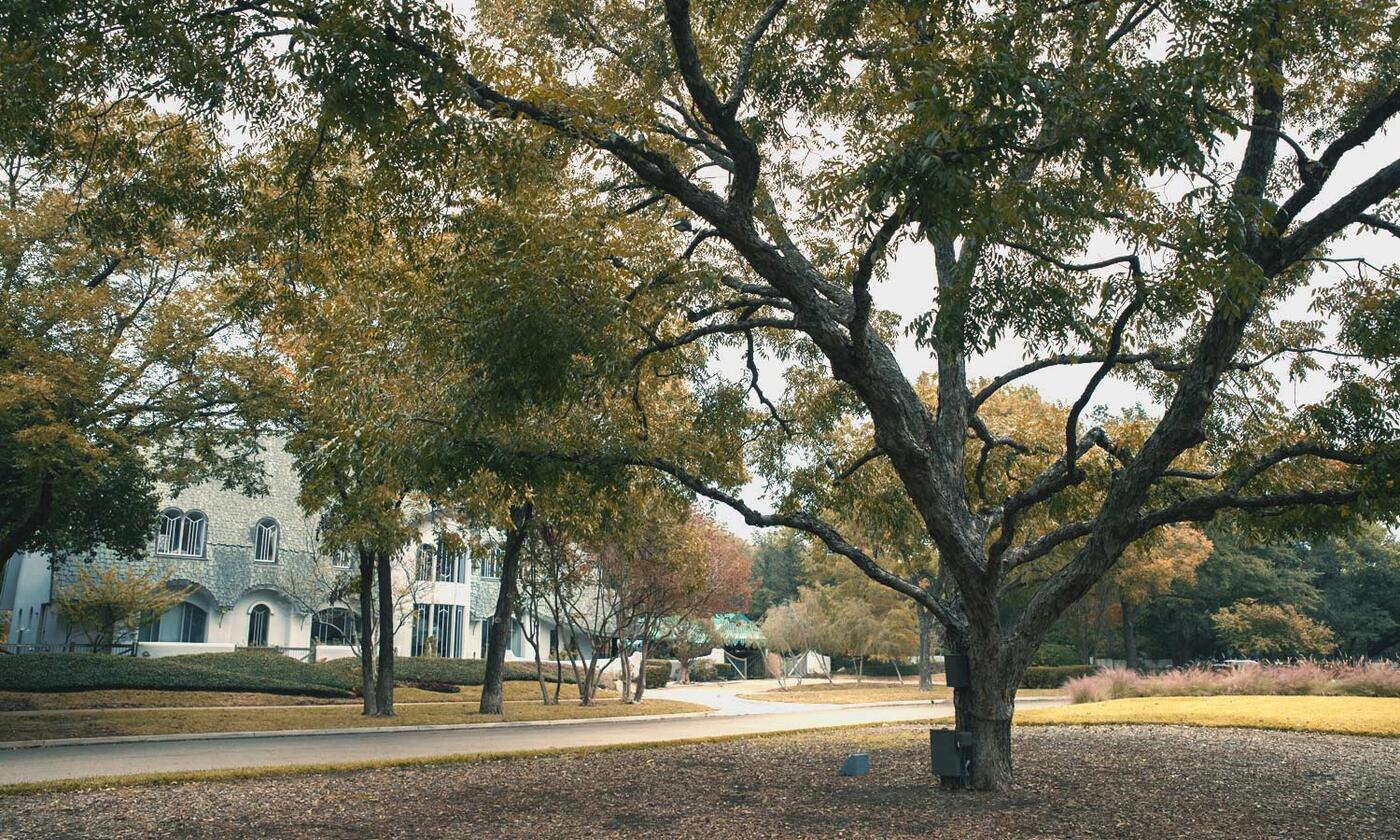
{"points": [[269, 672], [411, 669], [658, 673], [1054, 676], [701, 672], [1053, 653]]}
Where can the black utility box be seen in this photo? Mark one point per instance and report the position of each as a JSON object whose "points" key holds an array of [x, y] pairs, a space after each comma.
{"points": [[950, 753], [958, 672]]}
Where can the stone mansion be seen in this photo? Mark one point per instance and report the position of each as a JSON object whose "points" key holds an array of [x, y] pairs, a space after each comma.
{"points": [[258, 580]]}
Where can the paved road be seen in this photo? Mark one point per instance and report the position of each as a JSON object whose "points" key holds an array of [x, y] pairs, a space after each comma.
{"points": [[116, 759]]}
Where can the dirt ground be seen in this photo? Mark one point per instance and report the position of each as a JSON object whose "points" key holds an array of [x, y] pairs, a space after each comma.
{"points": [[1100, 782]]}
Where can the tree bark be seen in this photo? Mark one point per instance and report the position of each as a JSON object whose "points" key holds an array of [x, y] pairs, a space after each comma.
{"points": [[925, 648], [539, 660], [642, 673], [384, 690], [985, 709], [366, 620], [493, 685], [1130, 649]]}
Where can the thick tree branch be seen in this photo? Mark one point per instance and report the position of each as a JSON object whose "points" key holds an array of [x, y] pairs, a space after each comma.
{"points": [[1319, 171], [809, 524]]}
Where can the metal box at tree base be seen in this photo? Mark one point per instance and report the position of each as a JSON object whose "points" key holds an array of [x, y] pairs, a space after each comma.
{"points": [[958, 671], [950, 753]]}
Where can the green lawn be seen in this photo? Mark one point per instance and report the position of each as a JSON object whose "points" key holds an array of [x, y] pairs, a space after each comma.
{"points": [[1343, 715], [28, 726]]}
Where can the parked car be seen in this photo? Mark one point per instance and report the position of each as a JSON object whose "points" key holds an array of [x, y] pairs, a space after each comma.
{"points": [[1234, 664]]}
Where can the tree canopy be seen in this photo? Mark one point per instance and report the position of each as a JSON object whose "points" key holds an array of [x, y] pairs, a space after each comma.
{"points": [[1136, 189]]}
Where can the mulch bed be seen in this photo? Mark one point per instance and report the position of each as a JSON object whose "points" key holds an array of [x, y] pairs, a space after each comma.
{"points": [[1108, 782]]}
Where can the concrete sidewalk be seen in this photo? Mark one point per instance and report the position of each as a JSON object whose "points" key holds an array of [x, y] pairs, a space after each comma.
{"points": [[282, 749]]}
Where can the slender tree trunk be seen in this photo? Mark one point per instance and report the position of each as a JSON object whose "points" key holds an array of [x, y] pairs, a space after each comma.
{"points": [[539, 660], [366, 620], [626, 671], [1130, 649], [685, 671], [642, 672], [925, 648], [898, 675], [493, 685], [384, 691]]}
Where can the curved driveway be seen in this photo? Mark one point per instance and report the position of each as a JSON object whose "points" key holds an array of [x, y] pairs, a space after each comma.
{"points": [[731, 716]]}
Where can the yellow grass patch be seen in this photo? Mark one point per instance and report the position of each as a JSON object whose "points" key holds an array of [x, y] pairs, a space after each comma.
{"points": [[1343, 715]]}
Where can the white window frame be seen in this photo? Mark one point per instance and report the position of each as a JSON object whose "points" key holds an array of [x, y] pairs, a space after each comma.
{"points": [[181, 533], [267, 534]]}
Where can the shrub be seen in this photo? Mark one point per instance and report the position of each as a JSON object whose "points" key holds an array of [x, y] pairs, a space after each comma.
{"points": [[1053, 676], [1373, 679], [1056, 654], [410, 669], [704, 672], [658, 673], [431, 685], [267, 672]]}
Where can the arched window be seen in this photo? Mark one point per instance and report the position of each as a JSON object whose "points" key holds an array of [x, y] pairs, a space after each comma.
{"points": [[258, 620], [424, 567], [333, 626], [265, 535], [181, 533]]}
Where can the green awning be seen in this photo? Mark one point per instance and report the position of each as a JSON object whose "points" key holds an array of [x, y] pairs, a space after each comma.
{"points": [[738, 629]]}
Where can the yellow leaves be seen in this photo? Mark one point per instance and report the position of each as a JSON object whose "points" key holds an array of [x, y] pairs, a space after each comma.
{"points": [[1168, 555]]}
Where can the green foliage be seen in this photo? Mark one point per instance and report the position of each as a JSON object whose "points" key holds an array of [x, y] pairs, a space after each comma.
{"points": [[1350, 582], [1052, 653], [102, 602], [414, 669], [268, 672], [701, 672], [1271, 630], [1054, 676], [658, 673], [122, 359], [777, 570]]}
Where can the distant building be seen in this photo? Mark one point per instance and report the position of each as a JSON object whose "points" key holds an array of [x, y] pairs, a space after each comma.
{"points": [[259, 579]]}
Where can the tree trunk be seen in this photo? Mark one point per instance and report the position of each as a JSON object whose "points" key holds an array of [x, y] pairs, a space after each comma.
{"points": [[1130, 650], [925, 648], [685, 671], [493, 685], [984, 709], [384, 691], [366, 620], [626, 670], [539, 660], [642, 674]]}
